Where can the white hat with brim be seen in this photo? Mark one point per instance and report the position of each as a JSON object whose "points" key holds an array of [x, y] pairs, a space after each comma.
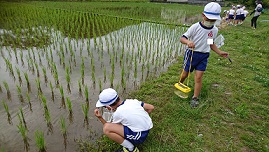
{"points": [[107, 97], [212, 11]]}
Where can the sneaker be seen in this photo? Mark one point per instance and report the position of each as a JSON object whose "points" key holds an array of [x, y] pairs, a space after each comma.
{"points": [[127, 150], [194, 102], [123, 149]]}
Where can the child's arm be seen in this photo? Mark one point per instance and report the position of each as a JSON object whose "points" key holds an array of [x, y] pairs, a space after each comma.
{"points": [[219, 52], [148, 107], [189, 43], [99, 116]]}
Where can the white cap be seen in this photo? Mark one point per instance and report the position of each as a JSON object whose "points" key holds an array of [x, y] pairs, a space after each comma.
{"points": [[107, 97], [212, 11]]}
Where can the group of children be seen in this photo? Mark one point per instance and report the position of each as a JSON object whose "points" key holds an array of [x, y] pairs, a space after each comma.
{"points": [[236, 15]]}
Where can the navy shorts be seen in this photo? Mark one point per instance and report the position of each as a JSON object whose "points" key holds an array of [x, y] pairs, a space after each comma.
{"points": [[199, 60], [238, 17], [135, 137], [231, 16]]}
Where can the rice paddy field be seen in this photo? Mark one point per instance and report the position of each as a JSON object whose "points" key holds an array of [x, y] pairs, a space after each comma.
{"points": [[56, 57], [55, 61]]}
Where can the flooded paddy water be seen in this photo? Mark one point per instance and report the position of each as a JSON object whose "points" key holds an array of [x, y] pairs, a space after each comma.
{"points": [[52, 88]]}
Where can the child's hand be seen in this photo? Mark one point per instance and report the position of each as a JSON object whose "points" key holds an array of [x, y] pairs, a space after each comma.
{"points": [[97, 113], [190, 44], [224, 54]]}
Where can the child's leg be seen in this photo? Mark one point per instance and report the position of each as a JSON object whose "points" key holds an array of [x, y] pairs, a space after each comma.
{"points": [[114, 132], [198, 82], [184, 76]]}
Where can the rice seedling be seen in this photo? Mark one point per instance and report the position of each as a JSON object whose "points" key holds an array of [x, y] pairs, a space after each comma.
{"points": [[29, 101], [85, 109], [63, 130], [7, 111], [40, 141], [82, 75], [86, 93], [79, 89], [7, 89], [37, 70], [21, 118], [24, 132], [45, 75], [62, 96], [19, 75], [21, 58], [69, 106], [55, 74], [100, 85], [20, 93], [47, 114], [27, 81], [68, 79], [38, 85], [52, 92]]}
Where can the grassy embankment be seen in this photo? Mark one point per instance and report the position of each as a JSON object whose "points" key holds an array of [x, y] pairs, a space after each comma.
{"points": [[233, 114]]}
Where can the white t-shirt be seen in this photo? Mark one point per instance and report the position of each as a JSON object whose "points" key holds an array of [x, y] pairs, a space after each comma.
{"points": [[245, 13], [200, 35], [132, 115], [231, 12]]}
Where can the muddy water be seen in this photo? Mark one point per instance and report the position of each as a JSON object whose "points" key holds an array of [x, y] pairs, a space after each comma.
{"points": [[146, 48]]}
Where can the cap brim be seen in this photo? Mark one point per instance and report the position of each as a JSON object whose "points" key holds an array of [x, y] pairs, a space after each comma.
{"points": [[212, 17], [99, 104]]}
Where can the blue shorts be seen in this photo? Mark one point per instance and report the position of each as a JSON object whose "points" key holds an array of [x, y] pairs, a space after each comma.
{"points": [[238, 17], [231, 16], [135, 137], [199, 60]]}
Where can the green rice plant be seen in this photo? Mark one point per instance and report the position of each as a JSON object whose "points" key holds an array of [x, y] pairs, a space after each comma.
{"points": [[7, 111], [20, 93], [24, 132], [19, 75], [52, 92], [7, 89], [21, 118], [79, 89], [69, 104], [100, 85], [86, 93], [45, 74], [55, 75], [68, 79], [21, 57], [63, 130], [85, 110], [62, 96], [38, 85], [29, 101], [37, 70], [104, 73], [40, 141], [27, 81], [82, 75]]}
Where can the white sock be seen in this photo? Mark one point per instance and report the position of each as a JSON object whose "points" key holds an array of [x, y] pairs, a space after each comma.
{"points": [[127, 144]]}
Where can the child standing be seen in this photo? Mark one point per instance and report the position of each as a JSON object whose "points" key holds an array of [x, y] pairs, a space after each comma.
{"points": [[199, 39], [257, 13]]}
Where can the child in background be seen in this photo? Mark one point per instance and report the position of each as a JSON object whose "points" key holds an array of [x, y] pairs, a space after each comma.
{"points": [[257, 13], [231, 15], [199, 39]]}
